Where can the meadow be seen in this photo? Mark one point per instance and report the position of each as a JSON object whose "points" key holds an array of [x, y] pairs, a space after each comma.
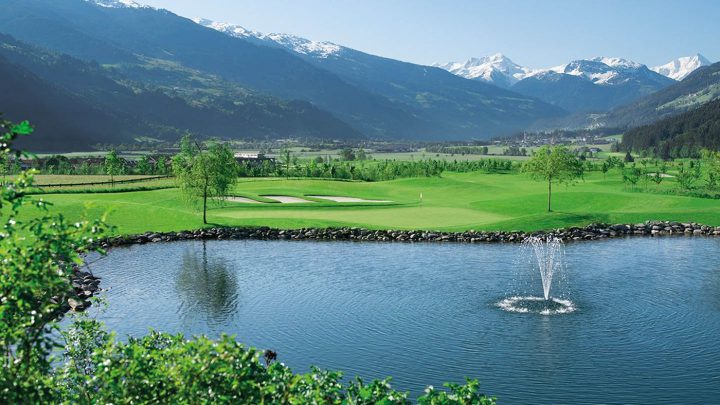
{"points": [[453, 202]]}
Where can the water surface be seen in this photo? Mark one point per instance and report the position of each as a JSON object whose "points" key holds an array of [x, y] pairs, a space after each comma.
{"points": [[646, 327]]}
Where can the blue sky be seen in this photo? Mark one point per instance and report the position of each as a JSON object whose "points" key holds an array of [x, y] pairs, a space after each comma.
{"points": [[535, 33]]}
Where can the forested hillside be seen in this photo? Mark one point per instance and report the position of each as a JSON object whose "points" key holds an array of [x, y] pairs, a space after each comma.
{"points": [[680, 136], [701, 86], [76, 104]]}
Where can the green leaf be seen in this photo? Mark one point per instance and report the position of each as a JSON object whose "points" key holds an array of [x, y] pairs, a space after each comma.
{"points": [[23, 128]]}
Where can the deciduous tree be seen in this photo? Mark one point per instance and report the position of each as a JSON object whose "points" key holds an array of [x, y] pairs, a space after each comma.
{"points": [[553, 165], [113, 166], [204, 174]]}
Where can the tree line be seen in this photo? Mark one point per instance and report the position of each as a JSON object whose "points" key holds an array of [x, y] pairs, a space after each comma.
{"points": [[682, 136]]}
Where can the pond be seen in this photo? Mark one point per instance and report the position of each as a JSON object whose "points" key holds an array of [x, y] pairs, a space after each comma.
{"points": [[644, 329]]}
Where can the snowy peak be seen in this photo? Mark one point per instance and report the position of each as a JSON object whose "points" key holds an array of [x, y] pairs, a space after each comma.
{"points": [[321, 49], [230, 29], [617, 62], [601, 70], [497, 69], [117, 3], [500, 70], [679, 68], [296, 44]]}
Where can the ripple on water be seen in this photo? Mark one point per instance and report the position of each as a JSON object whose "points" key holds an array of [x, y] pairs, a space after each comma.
{"points": [[644, 325]]}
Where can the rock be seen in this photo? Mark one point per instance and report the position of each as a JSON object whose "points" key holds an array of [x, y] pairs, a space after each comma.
{"points": [[77, 305]]}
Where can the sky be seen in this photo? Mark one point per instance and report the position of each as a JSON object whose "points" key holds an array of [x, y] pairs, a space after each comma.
{"points": [[533, 33]]}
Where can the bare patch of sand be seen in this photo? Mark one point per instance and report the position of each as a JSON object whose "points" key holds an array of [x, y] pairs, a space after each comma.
{"points": [[286, 199], [347, 199], [243, 200]]}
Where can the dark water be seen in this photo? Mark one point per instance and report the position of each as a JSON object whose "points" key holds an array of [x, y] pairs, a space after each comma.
{"points": [[646, 329]]}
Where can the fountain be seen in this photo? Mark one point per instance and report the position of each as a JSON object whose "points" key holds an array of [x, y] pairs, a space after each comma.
{"points": [[546, 255], [549, 254]]}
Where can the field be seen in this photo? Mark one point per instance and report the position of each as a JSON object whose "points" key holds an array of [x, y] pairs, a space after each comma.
{"points": [[455, 202]]}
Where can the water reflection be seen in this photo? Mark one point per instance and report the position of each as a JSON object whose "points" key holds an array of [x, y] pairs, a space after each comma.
{"points": [[207, 288], [646, 327]]}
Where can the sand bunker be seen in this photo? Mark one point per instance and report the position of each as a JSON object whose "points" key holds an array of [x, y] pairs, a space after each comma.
{"points": [[286, 200], [242, 200], [347, 199]]}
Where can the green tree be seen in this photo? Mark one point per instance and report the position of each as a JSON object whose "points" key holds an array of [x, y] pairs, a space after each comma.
{"points": [[348, 154], [711, 161], [205, 174], [628, 158], [143, 166], [286, 158], [113, 166], [38, 258], [604, 168], [554, 165], [687, 177], [657, 177], [631, 175], [161, 165]]}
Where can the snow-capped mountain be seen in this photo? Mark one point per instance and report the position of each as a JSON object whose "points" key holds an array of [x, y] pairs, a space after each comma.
{"points": [[230, 29], [601, 70], [500, 70], [437, 99], [117, 3], [679, 68], [322, 49], [594, 84], [497, 69]]}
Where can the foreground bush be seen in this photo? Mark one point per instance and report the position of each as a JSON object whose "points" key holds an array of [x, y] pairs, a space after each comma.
{"points": [[169, 369]]}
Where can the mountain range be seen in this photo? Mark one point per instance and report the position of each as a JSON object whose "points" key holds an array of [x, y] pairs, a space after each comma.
{"points": [[145, 48], [449, 104], [502, 71], [111, 71], [584, 85]]}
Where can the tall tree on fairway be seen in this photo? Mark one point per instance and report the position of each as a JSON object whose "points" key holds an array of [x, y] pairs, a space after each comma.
{"points": [[554, 165], [204, 173]]}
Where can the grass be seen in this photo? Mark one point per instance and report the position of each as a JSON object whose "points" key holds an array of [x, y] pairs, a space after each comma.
{"points": [[454, 202]]}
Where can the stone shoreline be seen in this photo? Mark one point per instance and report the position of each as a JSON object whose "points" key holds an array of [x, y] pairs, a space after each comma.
{"points": [[86, 285], [590, 232]]}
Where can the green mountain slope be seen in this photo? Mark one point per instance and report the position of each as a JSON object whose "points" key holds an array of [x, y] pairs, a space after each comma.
{"points": [[698, 88], [114, 110], [683, 135]]}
